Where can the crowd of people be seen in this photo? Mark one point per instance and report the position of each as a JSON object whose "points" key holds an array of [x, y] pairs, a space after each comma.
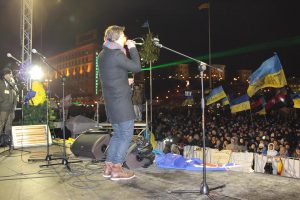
{"points": [[241, 132]]}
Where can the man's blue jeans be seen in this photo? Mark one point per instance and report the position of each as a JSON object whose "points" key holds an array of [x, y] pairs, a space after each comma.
{"points": [[120, 142]]}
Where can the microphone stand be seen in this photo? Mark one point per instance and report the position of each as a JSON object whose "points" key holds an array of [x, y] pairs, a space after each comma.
{"points": [[48, 157], [204, 189], [64, 158]]}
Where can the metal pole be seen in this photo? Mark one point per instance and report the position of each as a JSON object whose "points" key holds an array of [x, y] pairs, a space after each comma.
{"points": [[251, 118], [209, 48], [97, 116], [151, 88], [204, 187], [147, 125]]}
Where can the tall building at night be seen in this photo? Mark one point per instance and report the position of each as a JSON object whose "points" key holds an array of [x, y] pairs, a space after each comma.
{"points": [[80, 67], [216, 75], [240, 81], [294, 83], [244, 75], [182, 71]]}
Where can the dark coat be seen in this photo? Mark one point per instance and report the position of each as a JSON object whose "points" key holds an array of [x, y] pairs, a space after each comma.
{"points": [[137, 96], [113, 69], [8, 97]]}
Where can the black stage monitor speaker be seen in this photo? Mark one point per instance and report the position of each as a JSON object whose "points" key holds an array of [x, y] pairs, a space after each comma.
{"points": [[91, 144], [139, 155]]}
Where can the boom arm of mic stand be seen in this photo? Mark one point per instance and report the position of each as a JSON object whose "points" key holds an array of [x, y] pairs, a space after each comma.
{"points": [[44, 59], [191, 58]]}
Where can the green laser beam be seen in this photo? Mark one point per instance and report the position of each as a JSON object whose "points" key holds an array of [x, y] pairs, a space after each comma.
{"points": [[231, 52]]}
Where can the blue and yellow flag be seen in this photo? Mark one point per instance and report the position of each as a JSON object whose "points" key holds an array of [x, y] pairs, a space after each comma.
{"points": [[269, 74], [215, 95], [225, 101], [296, 100], [239, 104]]}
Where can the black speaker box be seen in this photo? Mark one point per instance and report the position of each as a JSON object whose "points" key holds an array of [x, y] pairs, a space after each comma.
{"points": [[138, 156], [91, 144]]}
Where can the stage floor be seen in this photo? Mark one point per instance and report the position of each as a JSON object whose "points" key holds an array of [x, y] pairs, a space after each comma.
{"points": [[20, 179]]}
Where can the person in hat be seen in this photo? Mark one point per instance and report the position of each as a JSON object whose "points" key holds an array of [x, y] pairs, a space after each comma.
{"points": [[8, 101]]}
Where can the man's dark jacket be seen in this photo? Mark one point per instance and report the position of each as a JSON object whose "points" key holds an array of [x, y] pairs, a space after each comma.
{"points": [[113, 68], [8, 97]]}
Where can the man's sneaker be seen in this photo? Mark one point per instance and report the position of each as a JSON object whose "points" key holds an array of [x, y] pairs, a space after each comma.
{"points": [[107, 170], [118, 173]]}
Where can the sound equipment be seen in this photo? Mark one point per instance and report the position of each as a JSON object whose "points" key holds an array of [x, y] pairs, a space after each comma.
{"points": [[91, 144], [30, 135], [139, 155], [94, 142]]}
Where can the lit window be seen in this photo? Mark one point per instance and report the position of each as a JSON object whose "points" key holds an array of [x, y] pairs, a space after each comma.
{"points": [[67, 72], [88, 68]]}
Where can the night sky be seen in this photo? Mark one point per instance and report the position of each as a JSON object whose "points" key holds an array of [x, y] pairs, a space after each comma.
{"points": [[178, 24]]}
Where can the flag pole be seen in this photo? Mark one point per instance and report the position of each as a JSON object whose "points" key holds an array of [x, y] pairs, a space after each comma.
{"points": [[265, 118], [209, 47], [151, 86], [251, 118]]}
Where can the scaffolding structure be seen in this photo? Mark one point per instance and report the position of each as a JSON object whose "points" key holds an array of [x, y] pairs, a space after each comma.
{"points": [[26, 37]]}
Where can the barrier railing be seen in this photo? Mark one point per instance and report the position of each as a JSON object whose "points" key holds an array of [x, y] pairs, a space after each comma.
{"points": [[244, 161], [290, 166]]}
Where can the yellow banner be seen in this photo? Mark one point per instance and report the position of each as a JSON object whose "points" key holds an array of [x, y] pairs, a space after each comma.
{"points": [[152, 140]]}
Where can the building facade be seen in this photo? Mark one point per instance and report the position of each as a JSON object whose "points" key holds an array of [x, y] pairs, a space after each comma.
{"points": [[294, 83], [80, 68]]}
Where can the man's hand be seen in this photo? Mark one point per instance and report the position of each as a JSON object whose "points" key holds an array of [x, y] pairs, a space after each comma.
{"points": [[130, 44]]}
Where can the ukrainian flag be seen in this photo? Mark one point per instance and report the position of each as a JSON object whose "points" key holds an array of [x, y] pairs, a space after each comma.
{"points": [[225, 101], [269, 74], [215, 95], [240, 104], [296, 100]]}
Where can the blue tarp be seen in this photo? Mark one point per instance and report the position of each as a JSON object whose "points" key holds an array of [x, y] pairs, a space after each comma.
{"points": [[174, 161]]}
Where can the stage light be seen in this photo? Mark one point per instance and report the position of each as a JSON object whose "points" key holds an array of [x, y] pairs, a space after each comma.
{"points": [[36, 73]]}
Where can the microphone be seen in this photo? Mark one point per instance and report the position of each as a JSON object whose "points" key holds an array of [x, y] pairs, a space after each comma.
{"points": [[203, 64], [138, 43], [38, 53], [11, 56], [156, 43]]}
